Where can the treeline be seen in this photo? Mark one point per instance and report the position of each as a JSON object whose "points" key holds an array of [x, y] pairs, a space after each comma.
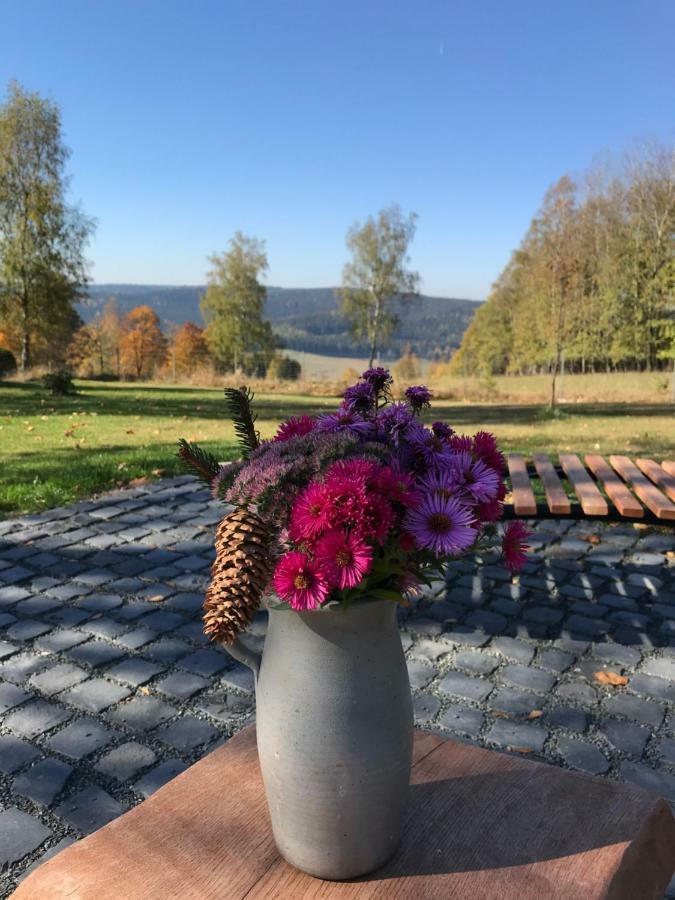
{"points": [[592, 285], [133, 346]]}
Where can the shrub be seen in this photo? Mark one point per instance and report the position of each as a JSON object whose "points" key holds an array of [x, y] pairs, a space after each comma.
{"points": [[284, 368], [7, 362], [59, 383]]}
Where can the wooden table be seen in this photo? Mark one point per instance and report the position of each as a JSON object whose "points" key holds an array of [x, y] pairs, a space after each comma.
{"points": [[481, 825]]}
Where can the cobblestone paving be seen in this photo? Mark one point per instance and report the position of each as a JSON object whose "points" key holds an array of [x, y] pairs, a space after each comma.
{"points": [[108, 688]]}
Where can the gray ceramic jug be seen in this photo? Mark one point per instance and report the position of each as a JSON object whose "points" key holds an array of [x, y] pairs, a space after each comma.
{"points": [[335, 727]]}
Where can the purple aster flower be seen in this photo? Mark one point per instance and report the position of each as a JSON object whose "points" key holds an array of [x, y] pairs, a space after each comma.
{"points": [[477, 481], [440, 483], [432, 449], [379, 378], [360, 398], [418, 397], [441, 430], [395, 422], [441, 525], [344, 420]]}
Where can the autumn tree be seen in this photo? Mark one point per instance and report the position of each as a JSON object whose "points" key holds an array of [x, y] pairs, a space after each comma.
{"points": [[142, 345], [238, 335], [189, 349], [377, 277], [42, 237]]}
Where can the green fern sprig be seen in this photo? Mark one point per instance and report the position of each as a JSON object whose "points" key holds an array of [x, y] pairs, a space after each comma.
{"points": [[198, 461], [239, 407]]}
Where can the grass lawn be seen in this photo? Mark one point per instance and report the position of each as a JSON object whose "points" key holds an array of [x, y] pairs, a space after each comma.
{"points": [[59, 449]]}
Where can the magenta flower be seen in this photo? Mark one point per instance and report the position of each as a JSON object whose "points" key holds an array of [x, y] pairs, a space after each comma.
{"points": [[344, 558], [418, 397], [441, 525], [310, 513], [300, 581], [356, 468], [396, 486], [514, 545], [486, 449], [296, 426]]}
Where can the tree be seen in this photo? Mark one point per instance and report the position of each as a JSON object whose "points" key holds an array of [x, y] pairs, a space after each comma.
{"points": [[112, 330], [189, 349], [42, 238], [143, 346], [233, 307], [85, 351], [377, 276]]}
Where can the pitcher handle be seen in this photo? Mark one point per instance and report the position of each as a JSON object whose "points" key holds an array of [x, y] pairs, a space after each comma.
{"points": [[246, 655]]}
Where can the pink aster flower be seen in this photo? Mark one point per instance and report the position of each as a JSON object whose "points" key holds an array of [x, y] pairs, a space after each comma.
{"points": [[310, 513], [395, 485], [461, 443], [296, 426], [491, 511], [357, 468], [300, 581], [344, 558], [442, 525], [514, 545], [377, 519], [486, 449]]}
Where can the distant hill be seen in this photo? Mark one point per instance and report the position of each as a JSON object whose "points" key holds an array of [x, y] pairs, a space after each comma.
{"points": [[306, 318]]}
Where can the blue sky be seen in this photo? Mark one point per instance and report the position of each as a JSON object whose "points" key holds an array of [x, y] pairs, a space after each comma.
{"points": [[290, 120]]}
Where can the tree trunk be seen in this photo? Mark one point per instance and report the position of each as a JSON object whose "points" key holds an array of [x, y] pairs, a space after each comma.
{"points": [[376, 328], [25, 336]]}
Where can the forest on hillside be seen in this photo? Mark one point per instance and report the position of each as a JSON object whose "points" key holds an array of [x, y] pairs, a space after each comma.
{"points": [[592, 285]]}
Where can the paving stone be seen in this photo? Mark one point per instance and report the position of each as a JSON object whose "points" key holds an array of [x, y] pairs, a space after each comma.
{"points": [[11, 696], [582, 755], [134, 671], [181, 685], [515, 702], [512, 648], [566, 717], [660, 782], [571, 645], [95, 695], [43, 781], [15, 753], [187, 733], [489, 622], [7, 649], [543, 615], [36, 717], [614, 601], [431, 650], [462, 719], [460, 685], [425, 707], [555, 660], [21, 666], [37, 606], [20, 834], [142, 713], [420, 673], [516, 735], [527, 677], [625, 736], [52, 681], [577, 692], [223, 710], [666, 748], [125, 761], [204, 662], [476, 662], [661, 667], [104, 628], [159, 776], [80, 738], [424, 625], [101, 602], [240, 678], [626, 656], [68, 616], [58, 641], [89, 809], [577, 624], [11, 594], [652, 687], [95, 653], [631, 707]]}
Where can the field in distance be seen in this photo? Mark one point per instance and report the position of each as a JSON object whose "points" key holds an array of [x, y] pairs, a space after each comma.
{"points": [[59, 449]]}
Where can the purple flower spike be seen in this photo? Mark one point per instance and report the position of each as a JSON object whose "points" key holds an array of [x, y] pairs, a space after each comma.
{"points": [[379, 378], [360, 398], [418, 397]]}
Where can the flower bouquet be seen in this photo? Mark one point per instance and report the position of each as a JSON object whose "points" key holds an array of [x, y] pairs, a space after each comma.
{"points": [[336, 517]]}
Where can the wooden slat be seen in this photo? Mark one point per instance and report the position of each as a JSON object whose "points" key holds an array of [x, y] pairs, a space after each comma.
{"points": [[650, 495], [658, 475], [616, 489], [592, 501], [524, 502], [668, 465], [557, 499]]}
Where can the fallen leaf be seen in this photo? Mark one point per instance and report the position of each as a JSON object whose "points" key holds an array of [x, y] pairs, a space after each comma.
{"points": [[520, 749], [121, 466], [130, 430], [612, 678], [535, 714], [159, 473], [144, 690], [500, 714], [155, 598], [591, 538], [139, 482]]}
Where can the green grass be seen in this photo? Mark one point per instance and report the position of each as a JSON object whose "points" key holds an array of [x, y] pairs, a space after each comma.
{"points": [[56, 450]]}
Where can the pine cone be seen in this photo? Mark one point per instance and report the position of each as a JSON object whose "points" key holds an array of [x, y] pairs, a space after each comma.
{"points": [[239, 575]]}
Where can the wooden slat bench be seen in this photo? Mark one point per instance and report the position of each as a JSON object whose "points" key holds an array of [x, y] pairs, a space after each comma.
{"points": [[480, 824], [616, 489]]}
